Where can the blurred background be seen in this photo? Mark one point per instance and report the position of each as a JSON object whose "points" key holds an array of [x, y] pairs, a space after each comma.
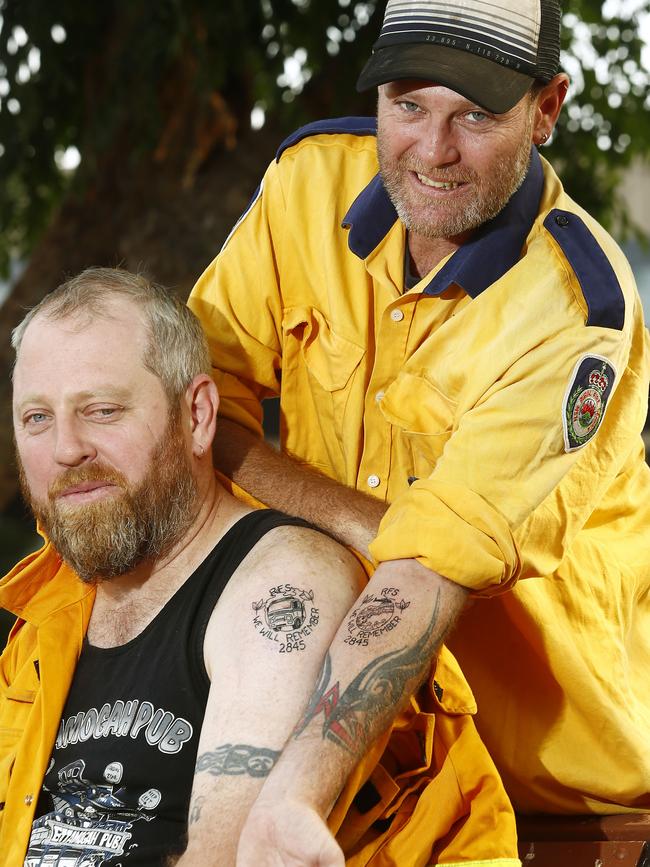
{"points": [[134, 134]]}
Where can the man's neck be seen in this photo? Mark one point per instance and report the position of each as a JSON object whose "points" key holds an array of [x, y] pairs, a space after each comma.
{"points": [[126, 604], [427, 253]]}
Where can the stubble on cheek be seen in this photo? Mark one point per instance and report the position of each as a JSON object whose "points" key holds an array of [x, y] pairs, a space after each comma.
{"points": [[485, 196]]}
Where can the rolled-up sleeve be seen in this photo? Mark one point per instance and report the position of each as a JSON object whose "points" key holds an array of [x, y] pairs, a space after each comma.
{"points": [[506, 454]]}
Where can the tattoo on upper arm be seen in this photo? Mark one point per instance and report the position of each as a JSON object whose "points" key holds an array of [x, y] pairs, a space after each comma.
{"points": [[381, 686], [375, 615], [236, 759], [286, 617]]}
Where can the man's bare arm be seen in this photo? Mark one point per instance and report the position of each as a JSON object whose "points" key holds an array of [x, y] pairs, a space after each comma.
{"points": [[372, 667], [264, 646], [283, 483], [378, 659]]}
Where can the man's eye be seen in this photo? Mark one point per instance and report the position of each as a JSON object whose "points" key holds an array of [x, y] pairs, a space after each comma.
{"points": [[477, 116], [409, 107], [104, 412], [36, 418]]}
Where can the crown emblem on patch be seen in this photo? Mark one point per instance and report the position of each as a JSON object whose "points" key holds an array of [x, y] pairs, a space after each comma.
{"points": [[598, 379]]}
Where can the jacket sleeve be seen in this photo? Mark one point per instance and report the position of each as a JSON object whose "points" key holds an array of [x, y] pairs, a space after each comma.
{"points": [[520, 458]]}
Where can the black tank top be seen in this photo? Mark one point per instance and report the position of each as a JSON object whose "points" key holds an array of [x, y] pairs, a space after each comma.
{"points": [[118, 785]]}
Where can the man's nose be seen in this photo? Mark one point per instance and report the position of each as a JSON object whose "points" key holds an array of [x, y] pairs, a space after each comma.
{"points": [[439, 145], [73, 444]]}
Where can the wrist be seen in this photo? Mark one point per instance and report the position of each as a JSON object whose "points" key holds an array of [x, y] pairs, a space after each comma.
{"points": [[308, 788]]}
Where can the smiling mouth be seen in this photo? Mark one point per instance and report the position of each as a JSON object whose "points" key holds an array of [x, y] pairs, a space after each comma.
{"points": [[438, 185]]}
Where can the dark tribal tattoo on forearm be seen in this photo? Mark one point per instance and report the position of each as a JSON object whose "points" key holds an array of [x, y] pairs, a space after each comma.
{"points": [[236, 759], [379, 687]]}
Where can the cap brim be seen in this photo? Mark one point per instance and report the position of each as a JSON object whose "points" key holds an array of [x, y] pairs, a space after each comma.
{"points": [[490, 85]]}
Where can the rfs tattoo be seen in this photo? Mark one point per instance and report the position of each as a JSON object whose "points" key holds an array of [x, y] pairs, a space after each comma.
{"points": [[375, 615], [286, 617]]}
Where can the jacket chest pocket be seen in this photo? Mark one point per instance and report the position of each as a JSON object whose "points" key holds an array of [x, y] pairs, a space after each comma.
{"points": [[319, 368], [16, 704], [424, 418]]}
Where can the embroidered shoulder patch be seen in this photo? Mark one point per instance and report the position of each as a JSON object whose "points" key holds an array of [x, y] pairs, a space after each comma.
{"points": [[586, 399]]}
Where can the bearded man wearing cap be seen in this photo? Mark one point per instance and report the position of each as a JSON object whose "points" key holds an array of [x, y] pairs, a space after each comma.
{"points": [[462, 366]]}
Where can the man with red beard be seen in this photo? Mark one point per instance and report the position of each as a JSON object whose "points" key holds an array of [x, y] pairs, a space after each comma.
{"points": [[439, 319], [164, 619]]}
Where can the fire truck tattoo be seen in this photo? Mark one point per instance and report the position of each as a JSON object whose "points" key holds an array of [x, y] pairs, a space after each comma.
{"points": [[286, 617], [375, 615]]}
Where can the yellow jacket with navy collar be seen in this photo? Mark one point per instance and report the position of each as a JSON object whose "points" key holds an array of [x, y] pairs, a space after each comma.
{"points": [[427, 793], [497, 406]]}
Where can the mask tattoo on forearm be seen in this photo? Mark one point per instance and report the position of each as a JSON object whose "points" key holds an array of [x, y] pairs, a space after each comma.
{"points": [[286, 616], [233, 760]]}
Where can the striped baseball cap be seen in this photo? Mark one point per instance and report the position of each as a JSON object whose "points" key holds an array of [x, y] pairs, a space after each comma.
{"points": [[490, 51]]}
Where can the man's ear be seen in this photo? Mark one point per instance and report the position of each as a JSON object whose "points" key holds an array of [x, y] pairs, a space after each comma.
{"points": [[549, 102], [202, 399]]}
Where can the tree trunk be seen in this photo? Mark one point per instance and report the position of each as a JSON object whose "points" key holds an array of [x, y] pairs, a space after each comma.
{"points": [[166, 216]]}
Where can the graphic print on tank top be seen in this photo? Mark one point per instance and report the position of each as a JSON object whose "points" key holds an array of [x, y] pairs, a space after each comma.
{"points": [[95, 808], [118, 785]]}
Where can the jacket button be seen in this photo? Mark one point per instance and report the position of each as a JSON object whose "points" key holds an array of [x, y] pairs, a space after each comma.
{"points": [[397, 315], [28, 799], [562, 220], [374, 481]]}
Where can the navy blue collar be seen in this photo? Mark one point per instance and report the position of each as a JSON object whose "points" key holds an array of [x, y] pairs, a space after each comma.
{"points": [[370, 217], [492, 251]]}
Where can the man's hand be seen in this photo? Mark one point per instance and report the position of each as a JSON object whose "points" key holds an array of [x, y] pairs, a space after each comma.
{"points": [[286, 833]]}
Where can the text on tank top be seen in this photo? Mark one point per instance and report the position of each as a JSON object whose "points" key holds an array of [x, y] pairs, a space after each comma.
{"points": [[118, 785]]}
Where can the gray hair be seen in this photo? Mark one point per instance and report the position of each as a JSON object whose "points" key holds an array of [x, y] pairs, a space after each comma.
{"points": [[176, 351]]}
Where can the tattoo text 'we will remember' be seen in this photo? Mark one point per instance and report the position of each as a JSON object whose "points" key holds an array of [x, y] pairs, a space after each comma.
{"points": [[287, 616]]}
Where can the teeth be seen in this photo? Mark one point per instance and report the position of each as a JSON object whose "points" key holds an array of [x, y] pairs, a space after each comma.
{"points": [[439, 185]]}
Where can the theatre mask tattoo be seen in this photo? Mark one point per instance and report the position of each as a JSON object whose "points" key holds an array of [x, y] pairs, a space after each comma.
{"points": [[236, 760]]}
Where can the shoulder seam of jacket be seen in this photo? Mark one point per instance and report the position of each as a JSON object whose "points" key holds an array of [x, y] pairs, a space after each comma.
{"points": [[360, 126], [600, 286]]}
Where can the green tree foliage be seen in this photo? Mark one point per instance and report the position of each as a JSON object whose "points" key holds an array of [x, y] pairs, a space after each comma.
{"points": [[606, 123], [92, 75], [89, 75]]}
